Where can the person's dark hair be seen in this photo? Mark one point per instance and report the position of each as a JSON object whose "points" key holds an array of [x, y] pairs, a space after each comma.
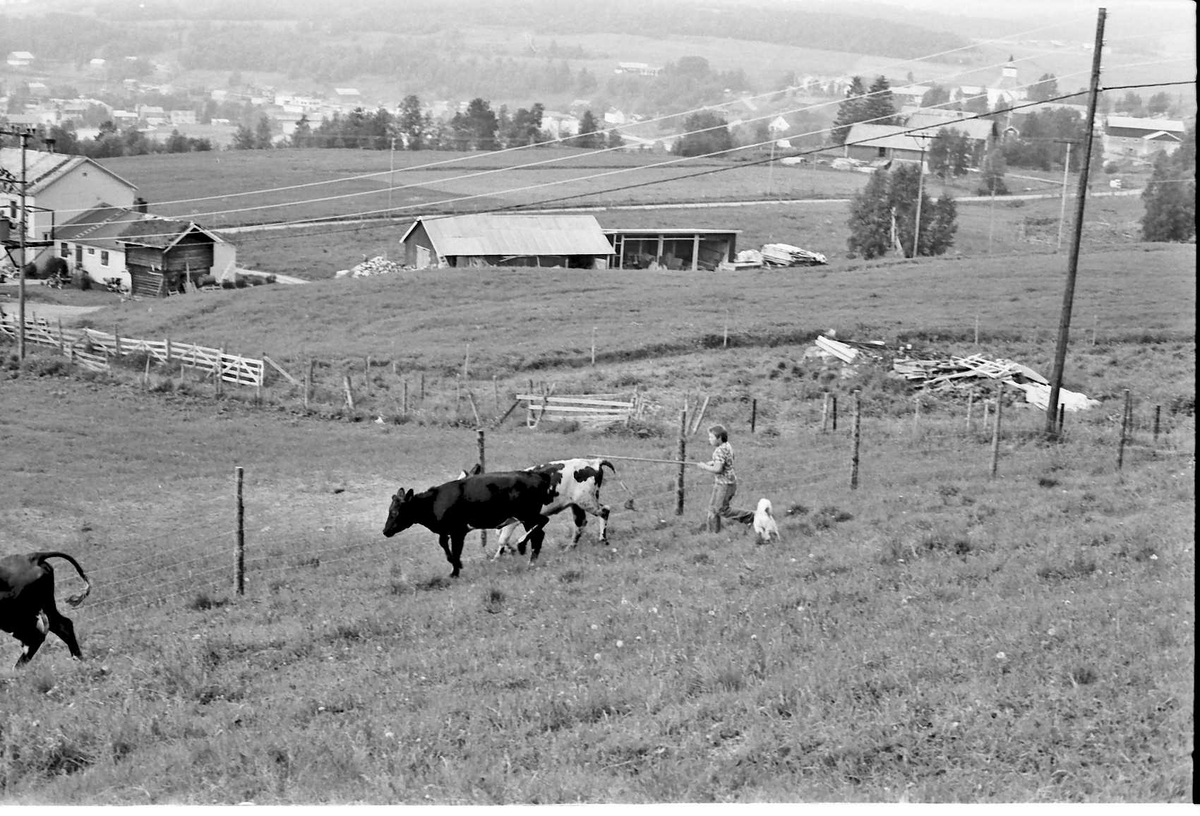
{"points": [[719, 432]]}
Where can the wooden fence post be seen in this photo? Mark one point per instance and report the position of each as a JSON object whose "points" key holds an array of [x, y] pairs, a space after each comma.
{"points": [[682, 459], [308, 378], [61, 346], [422, 388], [404, 405], [168, 349], [854, 445], [116, 342], [258, 384], [1124, 429], [349, 392], [825, 413], [482, 469], [835, 413], [495, 396], [970, 405], [996, 431], [593, 346], [753, 414], [240, 554], [220, 371], [1062, 418], [917, 414], [1157, 417]]}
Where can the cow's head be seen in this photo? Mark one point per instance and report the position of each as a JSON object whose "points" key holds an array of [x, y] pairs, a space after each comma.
{"points": [[400, 515]]}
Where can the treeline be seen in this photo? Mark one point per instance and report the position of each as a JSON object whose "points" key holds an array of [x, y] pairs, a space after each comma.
{"points": [[112, 142], [479, 127]]}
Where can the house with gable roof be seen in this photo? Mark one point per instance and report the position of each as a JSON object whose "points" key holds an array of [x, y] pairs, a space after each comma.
{"points": [[58, 187]]}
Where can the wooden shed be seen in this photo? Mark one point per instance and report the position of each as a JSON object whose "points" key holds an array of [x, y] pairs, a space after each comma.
{"points": [[656, 248], [162, 255]]}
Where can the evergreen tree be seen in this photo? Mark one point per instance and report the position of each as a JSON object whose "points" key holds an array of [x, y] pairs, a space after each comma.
{"points": [[870, 218], [879, 107], [588, 136], [243, 138], [615, 139], [850, 111], [262, 134], [1170, 195], [991, 174], [302, 135]]}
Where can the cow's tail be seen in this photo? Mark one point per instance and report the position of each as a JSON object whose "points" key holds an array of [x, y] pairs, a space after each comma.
{"points": [[604, 462], [74, 600]]}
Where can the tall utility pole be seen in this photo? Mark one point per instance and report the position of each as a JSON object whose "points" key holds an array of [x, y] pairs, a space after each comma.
{"points": [[920, 194], [22, 227], [1062, 214], [1064, 323]]}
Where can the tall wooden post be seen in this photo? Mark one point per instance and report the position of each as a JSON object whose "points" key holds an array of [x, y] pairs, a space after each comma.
{"points": [[482, 469], [682, 459], [1124, 429], [1157, 417], [996, 430], [835, 413], [854, 444], [240, 553], [308, 378], [753, 414], [825, 413]]}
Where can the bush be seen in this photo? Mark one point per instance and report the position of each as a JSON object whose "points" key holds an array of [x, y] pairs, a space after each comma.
{"points": [[56, 267]]}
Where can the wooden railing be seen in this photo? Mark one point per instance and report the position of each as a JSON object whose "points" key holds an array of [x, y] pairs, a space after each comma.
{"points": [[95, 349]]}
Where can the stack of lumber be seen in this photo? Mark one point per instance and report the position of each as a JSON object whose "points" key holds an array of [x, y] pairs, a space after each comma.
{"points": [[788, 255]]}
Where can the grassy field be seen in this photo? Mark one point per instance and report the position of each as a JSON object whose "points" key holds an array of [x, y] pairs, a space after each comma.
{"points": [[934, 635]]}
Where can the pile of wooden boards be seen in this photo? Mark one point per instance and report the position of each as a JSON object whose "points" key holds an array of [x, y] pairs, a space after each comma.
{"points": [[788, 255], [951, 375], [954, 372]]}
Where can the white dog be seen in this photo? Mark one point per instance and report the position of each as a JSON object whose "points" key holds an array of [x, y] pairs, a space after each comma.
{"points": [[764, 522]]}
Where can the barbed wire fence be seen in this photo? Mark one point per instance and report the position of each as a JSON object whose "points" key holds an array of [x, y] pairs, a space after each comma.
{"points": [[212, 568]]}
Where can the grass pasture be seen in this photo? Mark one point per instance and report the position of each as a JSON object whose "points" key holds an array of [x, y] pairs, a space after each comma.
{"points": [[935, 635]]}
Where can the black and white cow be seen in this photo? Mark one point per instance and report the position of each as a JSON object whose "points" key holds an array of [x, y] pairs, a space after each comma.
{"points": [[27, 609], [578, 483], [482, 502]]}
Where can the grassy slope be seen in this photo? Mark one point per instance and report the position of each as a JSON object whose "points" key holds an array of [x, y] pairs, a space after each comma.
{"points": [[1039, 626]]}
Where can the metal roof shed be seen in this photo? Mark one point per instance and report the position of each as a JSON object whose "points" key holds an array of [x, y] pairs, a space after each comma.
{"points": [[574, 241]]}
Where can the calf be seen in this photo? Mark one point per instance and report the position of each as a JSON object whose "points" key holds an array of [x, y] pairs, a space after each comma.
{"points": [[577, 485], [480, 502], [27, 609]]}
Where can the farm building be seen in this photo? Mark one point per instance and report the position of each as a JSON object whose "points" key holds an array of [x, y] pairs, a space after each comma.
{"points": [[57, 188], [1133, 137], [867, 142], [573, 241], [692, 249], [151, 256]]}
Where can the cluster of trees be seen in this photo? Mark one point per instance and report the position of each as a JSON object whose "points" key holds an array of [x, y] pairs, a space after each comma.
{"points": [[1042, 140], [112, 142], [884, 216], [874, 105], [1170, 196], [479, 127]]}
